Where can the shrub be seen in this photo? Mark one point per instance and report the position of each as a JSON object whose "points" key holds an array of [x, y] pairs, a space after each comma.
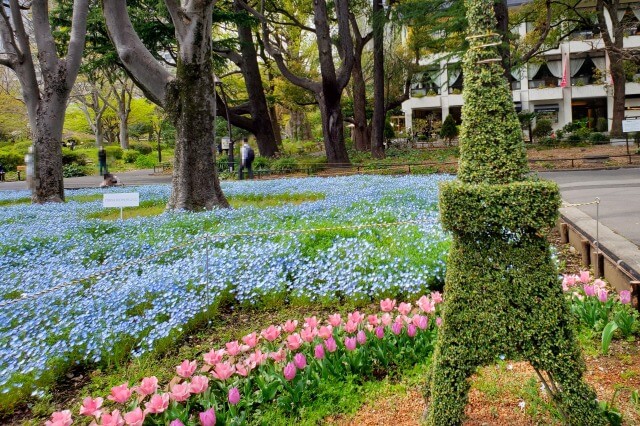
{"points": [[11, 159], [145, 161], [114, 152], [285, 165], [73, 170], [543, 128], [141, 147], [73, 157], [261, 163], [449, 129], [130, 156], [598, 138], [602, 125]]}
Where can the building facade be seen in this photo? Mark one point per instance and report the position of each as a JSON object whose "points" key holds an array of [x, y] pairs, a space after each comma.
{"points": [[565, 84]]}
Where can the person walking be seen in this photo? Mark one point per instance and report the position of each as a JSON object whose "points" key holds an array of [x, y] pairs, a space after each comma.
{"points": [[102, 161], [246, 159]]}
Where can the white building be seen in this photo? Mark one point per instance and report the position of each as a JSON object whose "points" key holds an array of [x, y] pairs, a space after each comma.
{"points": [[587, 94]]}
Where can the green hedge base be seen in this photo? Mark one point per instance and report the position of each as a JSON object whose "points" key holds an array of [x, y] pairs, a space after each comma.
{"points": [[529, 205]]}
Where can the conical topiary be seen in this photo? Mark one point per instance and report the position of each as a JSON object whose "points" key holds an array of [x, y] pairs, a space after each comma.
{"points": [[503, 298]]}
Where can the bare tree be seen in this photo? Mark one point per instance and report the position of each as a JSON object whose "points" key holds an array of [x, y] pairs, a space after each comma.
{"points": [[46, 92], [188, 97]]}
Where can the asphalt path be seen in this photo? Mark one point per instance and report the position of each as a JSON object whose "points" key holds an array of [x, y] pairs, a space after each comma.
{"points": [[617, 189]]}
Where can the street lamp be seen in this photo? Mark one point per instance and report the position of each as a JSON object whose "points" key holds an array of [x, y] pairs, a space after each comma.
{"points": [[231, 161]]}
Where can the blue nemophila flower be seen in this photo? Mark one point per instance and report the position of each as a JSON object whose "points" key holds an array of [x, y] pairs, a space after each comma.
{"points": [[122, 281]]}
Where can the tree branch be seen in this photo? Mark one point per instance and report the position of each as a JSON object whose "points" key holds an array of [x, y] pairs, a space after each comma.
{"points": [[148, 74], [76, 40]]}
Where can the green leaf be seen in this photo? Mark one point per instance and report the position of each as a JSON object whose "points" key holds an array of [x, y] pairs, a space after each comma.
{"points": [[607, 335]]}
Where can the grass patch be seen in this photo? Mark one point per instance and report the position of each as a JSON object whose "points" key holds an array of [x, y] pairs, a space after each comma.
{"points": [[155, 207], [15, 202]]}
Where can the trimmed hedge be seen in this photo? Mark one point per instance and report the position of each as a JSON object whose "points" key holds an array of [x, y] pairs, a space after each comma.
{"points": [[502, 295], [526, 205]]}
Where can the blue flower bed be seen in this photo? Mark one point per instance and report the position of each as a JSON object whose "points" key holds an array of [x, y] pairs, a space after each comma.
{"points": [[150, 276]]}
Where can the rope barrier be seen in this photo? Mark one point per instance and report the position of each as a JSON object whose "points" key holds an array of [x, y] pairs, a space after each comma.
{"points": [[207, 237]]}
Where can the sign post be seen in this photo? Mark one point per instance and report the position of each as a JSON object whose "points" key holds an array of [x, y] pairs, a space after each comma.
{"points": [[125, 199], [630, 125]]}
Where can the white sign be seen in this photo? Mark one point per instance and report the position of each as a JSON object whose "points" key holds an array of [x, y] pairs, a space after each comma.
{"points": [[126, 199], [631, 125]]}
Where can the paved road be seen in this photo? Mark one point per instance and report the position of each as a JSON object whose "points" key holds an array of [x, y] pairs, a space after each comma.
{"points": [[619, 193], [618, 190]]}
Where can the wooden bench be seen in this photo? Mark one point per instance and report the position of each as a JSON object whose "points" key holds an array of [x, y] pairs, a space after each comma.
{"points": [[163, 167], [20, 169]]}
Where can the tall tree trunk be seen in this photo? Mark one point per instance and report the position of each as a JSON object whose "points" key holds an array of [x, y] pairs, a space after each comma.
{"points": [[360, 133], [47, 145], [377, 122], [193, 110], [253, 81], [333, 130]]}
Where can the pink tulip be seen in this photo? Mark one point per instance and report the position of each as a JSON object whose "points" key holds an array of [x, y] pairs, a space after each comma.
{"points": [[420, 321], [335, 320], [318, 351], [279, 356], [300, 361], [234, 396], [603, 294], [380, 332], [351, 327], [180, 391], [257, 357], [176, 422], [350, 343], [290, 371], [157, 404], [308, 334], [404, 308], [60, 418], [373, 320], [233, 348], [199, 384], [386, 319], [411, 330], [294, 341], [355, 317], [325, 331], [241, 370], [213, 357], [436, 297], [250, 340], [585, 277], [134, 418], [222, 371], [625, 297], [113, 419], [186, 369], [330, 344], [290, 326], [361, 337], [311, 322], [589, 290], [208, 418], [91, 407], [271, 333], [438, 321], [120, 394], [396, 328], [148, 386], [387, 305]]}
